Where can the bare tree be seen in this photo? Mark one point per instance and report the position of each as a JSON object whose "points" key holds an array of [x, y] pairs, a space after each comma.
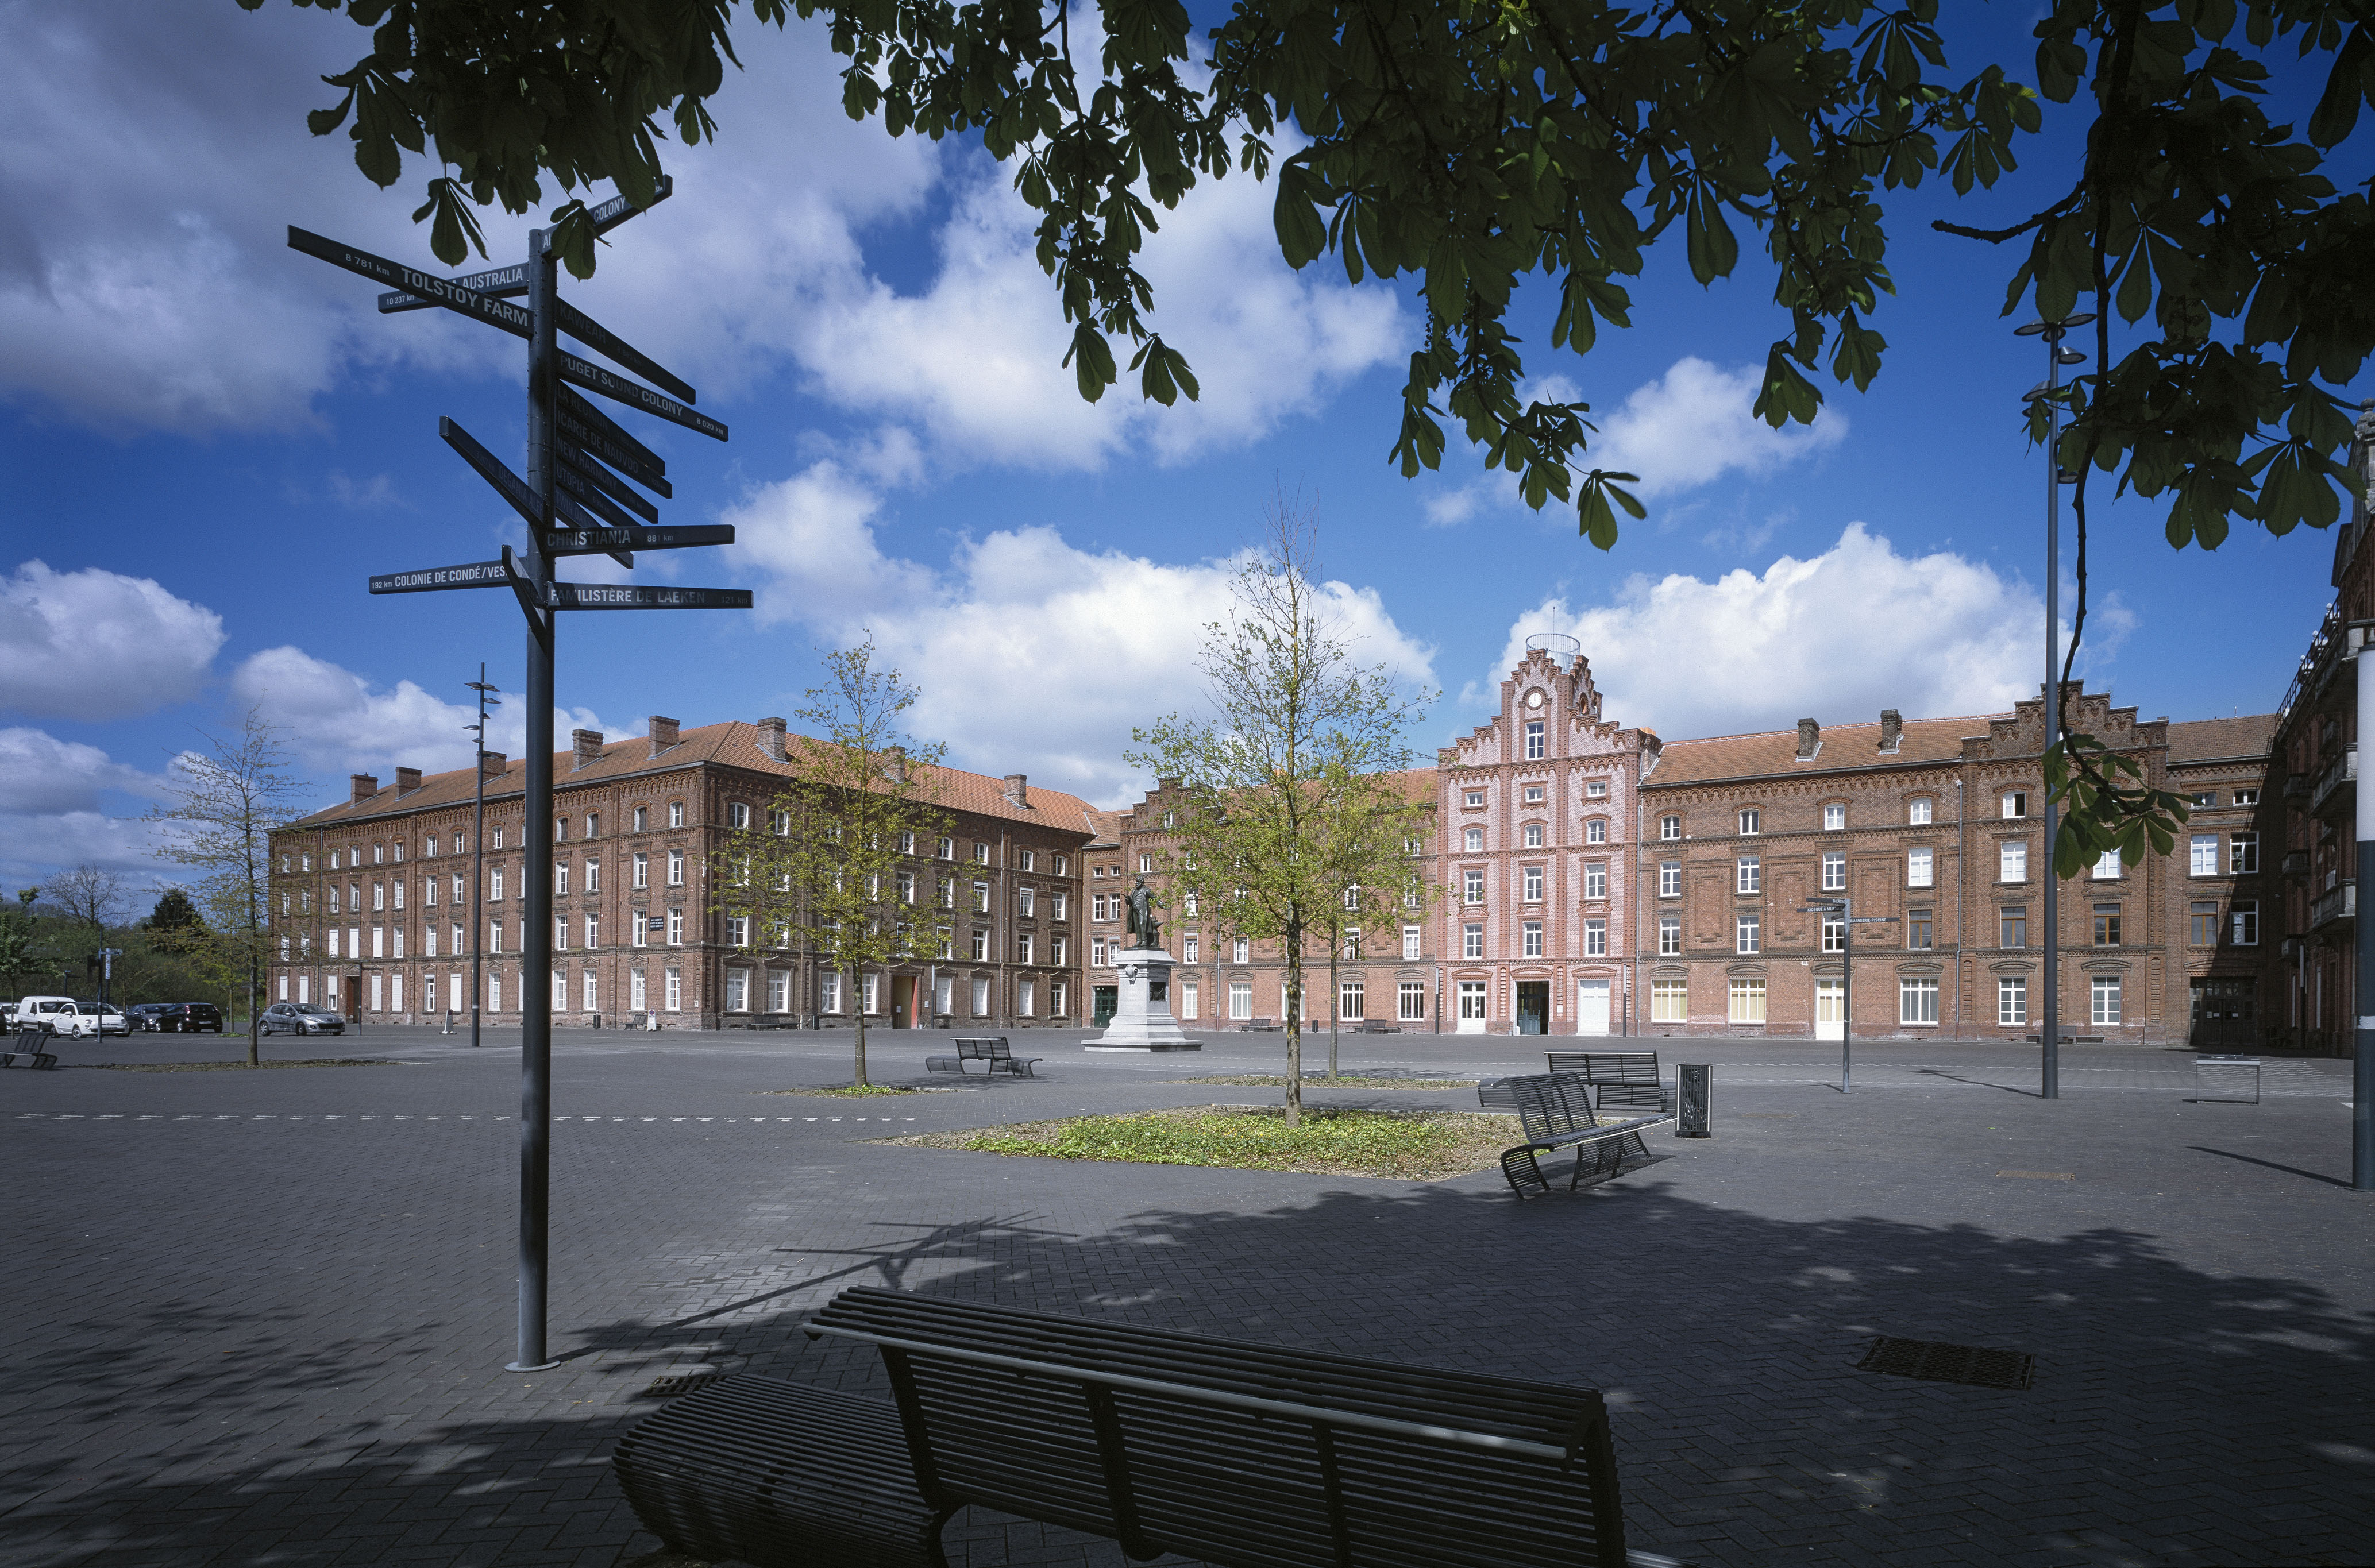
{"points": [[92, 900], [835, 867], [224, 807], [1296, 754]]}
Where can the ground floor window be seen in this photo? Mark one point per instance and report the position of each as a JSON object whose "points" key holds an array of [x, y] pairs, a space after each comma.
{"points": [[1026, 998], [376, 993], [1410, 1001], [779, 991], [1917, 1000], [494, 992], [1190, 993], [672, 991], [1352, 1000], [636, 997], [829, 992], [560, 991], [1059, 992], [2012, 1001], [981, 998], [453, 992], [872, 993], [1241, 999], [737, 990], [2103, 992], [1669, 1001], [284, 987], [1748, 1001], [1471, 1001]]}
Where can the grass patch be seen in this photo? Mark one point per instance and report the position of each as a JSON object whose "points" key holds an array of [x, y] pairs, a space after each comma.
{"points": [[1347, 1080], [1411, 1146], [844, 1091], [236, 1067]]}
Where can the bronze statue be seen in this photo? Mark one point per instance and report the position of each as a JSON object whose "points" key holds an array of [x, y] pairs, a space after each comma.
{"points": [[1143, 924]]}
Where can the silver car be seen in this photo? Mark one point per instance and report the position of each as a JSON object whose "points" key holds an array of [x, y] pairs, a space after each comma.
{"points": [[300, 1017]]}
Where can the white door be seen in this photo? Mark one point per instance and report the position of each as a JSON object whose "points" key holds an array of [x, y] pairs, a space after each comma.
{"points": [[1472, 1007], [1591, 1007], [1830, 1008]]}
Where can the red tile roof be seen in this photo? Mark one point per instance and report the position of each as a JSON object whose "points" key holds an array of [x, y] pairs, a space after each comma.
{"points": [[2198, 740], [1843, 746]]}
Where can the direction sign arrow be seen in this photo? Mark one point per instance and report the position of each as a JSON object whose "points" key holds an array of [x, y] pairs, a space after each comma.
{"points": [[579, 490], [602, 341], [594, 378], [502, 283], [631, 595], [412, 281], [508, 485], [596, 541], [597, 433], [617, 210], [476, 575], [573, 461]]}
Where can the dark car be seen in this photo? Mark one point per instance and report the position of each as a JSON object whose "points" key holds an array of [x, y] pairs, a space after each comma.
{"points": [[187, 1017], [300, 1017], [142, 1015]]}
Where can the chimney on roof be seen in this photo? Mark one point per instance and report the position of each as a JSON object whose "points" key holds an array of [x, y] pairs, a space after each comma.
{"points": [[407, 780], [1017, 789], [1810, 740], [894, 764], [771, 739], [663, 733], [1891, 727], [365, 784], [492, 765], [588, 744]]}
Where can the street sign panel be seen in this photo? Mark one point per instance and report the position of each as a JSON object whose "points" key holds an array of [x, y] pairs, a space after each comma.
{"points": [[508, 485], [502, 283], [617, 210], [598, 541], [603, 341], [596, 431], [412, 281], [571, 460], [636, 596], [594, 378], [474, 574], [574, 485]]}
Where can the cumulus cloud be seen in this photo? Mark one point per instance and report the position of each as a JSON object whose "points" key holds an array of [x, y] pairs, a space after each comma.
{"points": [[1683, 432], [51, 816], [1033, 655], [1838, 636], [41, 775], [96, 644], [339, 722]]}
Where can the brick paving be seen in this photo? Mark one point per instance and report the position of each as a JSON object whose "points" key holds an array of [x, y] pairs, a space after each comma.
{"points": [[260, 1319]]}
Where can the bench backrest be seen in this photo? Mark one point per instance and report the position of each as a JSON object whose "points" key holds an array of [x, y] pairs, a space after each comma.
{"points": [[1240, 1454], [990, 1049], [1552, 1104], [1598, 1068]]}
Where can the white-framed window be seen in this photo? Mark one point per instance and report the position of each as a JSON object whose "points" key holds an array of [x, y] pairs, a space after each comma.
{"points": [[871, 993], [2103, 997], [1410, 951], [1669, 935], [981, 998], [1532, 877], [2243, 853], [1410, 1002], [1533, 835], [676, 868], [1595, 789], [1189, 948], [1750, 818], [1533, 795], [1595, 879], [779, 990], [1669, 1001], [1062, 905], [981, 854], [672, 992], [2012, 861], [981, 898], [643, 873], [642, 824], [676, 813], [561, 932], [1917, 811], [1834, 933], [1471, 887], [1352, 952], [1921, 868], [1835, 871], [2106, 866], [2202, 859], [2243, 920], [2015, 803], [1595, 937], [946, 849], [1241, 999], [1748, 875], [1835, 817], [738, 815], [981, 947], [1670, 827], [737, 990], [1670, 878], [944, 943], [1023, 947], [2012, 1000], [1471, 940], [1474, 839], [1471, 1001], [1537, 739], [1917, 1000], [1026, 998], [1473, 798], [1748, 999], [1531, 935], [1352, 998], [638, 997], [1241, 950], [494, 890], [1191, 998], [676, 928], [1596, 831], [635, 933], [1145, 864], [737, 931], [2246, 798], [1747, 928]]}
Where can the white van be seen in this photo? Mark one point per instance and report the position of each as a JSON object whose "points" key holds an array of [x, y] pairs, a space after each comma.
{"points": [[58, 1015]]}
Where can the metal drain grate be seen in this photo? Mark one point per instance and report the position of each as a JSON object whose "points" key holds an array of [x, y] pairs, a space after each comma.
{"points": [[680, 1383], [1967, 1364]]}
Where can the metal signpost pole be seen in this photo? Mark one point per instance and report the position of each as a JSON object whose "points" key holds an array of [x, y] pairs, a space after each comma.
{"points": [[2362, 1099], [479, 855]]}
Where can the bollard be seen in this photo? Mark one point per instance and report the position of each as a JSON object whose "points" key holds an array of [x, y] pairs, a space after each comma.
{"points": [[1695, 1087]]}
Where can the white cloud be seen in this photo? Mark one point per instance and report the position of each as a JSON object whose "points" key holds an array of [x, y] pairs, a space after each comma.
{"points": [[50, 811], [337, 722], [34, 847], [41, 775], [1033, 655], [1683, 432], [1839, 637], [96, 644]]}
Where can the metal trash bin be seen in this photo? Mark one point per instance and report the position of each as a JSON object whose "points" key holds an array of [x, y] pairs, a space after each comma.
{"points": [[1694, 1096], [2229, 1079]]}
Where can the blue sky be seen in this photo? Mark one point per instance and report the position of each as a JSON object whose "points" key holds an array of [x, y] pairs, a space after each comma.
{"points": [[208, 442]]}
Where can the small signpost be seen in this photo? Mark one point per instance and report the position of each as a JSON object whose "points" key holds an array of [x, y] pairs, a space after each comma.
{"points": [[578, 497]]}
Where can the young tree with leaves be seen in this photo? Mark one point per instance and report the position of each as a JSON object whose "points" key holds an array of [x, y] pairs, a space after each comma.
{"points": [[222, 807], [1288, 760], [20, 944], [834, 869]]}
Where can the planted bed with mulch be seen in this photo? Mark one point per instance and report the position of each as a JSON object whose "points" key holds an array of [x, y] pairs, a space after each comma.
{"points": [[1425, 1145]]}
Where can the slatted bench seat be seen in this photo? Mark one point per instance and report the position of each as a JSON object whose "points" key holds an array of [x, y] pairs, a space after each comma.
{"points": [[1257, 1026], [30, 1049], [1625, 1080], [1239, 1455], [1556, 1110], [991, 1051]]}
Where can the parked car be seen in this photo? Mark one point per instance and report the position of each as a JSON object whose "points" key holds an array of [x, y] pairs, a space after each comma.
{"points": [[142, 1015], [111, 1017], [58, 1015], [188, 1018], [299, 1017]]}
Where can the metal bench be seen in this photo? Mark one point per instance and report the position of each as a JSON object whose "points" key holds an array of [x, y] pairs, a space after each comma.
{"points": [[28, 1051], [991, 1051], [1257, 1026], [1556, 1110], [1237, 1455], [1625, 1079]]}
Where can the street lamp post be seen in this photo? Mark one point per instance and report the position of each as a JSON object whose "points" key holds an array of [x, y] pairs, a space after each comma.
{"points": [[478, 851], [1844, 906], [2048, 391]]}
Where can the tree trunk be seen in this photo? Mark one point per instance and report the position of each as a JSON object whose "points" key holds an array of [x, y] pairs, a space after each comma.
{"points": [[1295, 1024], [254, 1020], [1335, 1003], [858, 1011]]}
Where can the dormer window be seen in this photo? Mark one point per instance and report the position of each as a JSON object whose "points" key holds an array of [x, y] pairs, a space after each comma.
{"points": [[1918, 811], [1835, 817], [1670, 827], [1749, 818], [2015, 803]]}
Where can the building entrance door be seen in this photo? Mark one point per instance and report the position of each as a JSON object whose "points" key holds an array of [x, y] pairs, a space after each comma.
{"points": [[903, 1001], [2224, 1015], [1830, 1008], [1533, 1006], [1106, 1001], [1591, 1007], [1472, 1007]]}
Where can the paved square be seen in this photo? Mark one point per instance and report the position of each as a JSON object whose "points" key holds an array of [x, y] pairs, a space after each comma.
{"points": [[260, 1319]]}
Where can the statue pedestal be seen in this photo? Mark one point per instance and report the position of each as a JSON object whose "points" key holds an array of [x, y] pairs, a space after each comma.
{"points": [[1142, 1021]]}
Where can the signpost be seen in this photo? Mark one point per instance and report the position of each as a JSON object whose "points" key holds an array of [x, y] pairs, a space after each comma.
{"points": [[580, 466], [1844, 910]]}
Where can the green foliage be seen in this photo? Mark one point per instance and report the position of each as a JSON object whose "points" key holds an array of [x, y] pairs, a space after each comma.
{"points": [[22, 953], [2106, 805], [1374, 1143], [174, 913]]}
